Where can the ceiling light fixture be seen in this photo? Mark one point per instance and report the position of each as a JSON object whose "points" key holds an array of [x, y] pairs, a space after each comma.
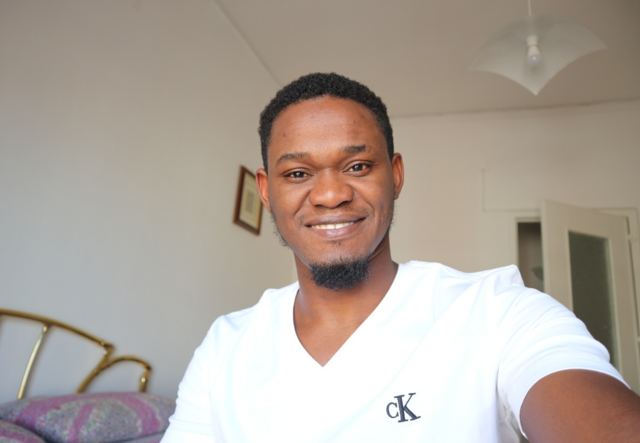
{"points": [[533, 49]]}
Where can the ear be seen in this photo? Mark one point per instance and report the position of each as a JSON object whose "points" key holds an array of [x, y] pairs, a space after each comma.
{"points": [[262, 180], [398, 174]]}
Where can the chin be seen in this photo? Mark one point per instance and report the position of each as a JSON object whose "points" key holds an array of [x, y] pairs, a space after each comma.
{"points": [[334, 256], [342, 273]]}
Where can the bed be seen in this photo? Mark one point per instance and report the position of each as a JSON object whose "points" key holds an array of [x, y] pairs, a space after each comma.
{"points": [[80, 417]]}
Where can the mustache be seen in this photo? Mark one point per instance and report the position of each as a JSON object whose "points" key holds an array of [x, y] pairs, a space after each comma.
{"points": [[320, 211]]}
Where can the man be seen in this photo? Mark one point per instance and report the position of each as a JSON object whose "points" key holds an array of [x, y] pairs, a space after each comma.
{"points": [[362, 349]]}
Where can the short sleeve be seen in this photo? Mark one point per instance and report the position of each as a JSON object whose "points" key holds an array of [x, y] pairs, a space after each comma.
{"points": [[192, 419], [543, 337]]}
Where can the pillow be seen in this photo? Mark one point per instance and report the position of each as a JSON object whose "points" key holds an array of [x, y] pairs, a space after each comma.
{"points": [[10, 433], [155, 438], [83, 418]]}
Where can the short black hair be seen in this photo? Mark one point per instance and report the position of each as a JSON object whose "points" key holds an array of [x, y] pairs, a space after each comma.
{"points": [[317, 85]]}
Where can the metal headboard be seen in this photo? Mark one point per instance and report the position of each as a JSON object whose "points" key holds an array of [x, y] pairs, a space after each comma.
{"points": [[105, 362]]}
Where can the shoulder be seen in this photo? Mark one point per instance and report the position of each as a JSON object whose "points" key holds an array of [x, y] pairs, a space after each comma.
{"points": [[193, 412], [495, 299], [228, 327], [497, 302], [449, 283], [504, 276]]}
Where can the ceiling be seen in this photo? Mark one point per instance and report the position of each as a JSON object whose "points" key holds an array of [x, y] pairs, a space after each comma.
{"points": [[415, 54]]}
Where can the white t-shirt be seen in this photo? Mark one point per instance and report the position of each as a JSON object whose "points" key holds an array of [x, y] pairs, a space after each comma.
{"points": [[445, 357]]}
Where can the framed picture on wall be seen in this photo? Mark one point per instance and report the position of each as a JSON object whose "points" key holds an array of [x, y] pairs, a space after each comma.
{"points": [[248, 212]]}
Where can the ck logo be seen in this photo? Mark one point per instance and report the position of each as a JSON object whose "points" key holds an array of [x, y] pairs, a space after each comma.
{"points": [[400, 408]]}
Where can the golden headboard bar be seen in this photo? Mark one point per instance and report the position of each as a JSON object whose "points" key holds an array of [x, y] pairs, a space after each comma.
{"points": [[32, 358], [144, 378], [104, 363], [51, 322]]}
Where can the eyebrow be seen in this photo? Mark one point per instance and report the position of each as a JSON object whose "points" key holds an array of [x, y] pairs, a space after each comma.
{"points": [[354, 149], [306, 155], [293, 156]]}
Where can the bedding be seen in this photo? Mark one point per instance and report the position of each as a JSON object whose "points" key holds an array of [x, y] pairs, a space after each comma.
{"points": [[85, 418], [10, 433], [155, 438], [132, 417]]}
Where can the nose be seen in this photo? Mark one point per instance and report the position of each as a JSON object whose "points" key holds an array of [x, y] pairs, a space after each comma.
{"points": [[330, 190]]}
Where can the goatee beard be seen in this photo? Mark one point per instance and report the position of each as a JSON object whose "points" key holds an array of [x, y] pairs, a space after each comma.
{"points": [[341, 274]]}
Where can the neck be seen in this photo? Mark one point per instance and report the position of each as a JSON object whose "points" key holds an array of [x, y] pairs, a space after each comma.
{"points": [[325, 319], [315, 303]]}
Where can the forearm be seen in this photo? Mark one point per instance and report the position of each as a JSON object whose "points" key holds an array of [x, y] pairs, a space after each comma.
{"points": [[581, 406]]}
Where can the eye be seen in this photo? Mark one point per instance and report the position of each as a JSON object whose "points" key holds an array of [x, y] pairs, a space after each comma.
{"points": [[297, 175], [359, 167]]}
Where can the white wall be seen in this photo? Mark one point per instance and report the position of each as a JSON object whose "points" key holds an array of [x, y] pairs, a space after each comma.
{"points": [[587, 156], [122, 128]]}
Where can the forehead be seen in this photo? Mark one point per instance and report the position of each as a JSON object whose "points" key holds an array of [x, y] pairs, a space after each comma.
{"points": [[324, 120]]}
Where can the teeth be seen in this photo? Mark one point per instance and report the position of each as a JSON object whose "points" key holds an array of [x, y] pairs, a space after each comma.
{"points": [[336, 226]]}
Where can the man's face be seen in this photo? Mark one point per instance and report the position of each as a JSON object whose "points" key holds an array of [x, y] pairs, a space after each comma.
{"points": [[331, 185]]}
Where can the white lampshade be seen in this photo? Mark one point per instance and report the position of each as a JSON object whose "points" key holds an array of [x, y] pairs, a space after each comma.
{"points": [[533, 49]]}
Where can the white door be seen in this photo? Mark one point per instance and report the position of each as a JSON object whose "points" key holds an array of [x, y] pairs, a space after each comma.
{"points": [[587, 267]]}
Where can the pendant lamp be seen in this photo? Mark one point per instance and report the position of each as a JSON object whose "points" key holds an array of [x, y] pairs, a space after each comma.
{"points": [[533, 49]]}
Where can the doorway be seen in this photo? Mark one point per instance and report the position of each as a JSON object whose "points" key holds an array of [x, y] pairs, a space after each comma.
{"points": [[583, 258]]}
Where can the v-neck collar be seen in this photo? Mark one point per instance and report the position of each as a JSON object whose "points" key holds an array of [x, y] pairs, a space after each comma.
{"points": [[377, 316]]}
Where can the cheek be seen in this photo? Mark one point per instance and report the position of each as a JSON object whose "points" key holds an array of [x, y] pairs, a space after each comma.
{"points": [[381, 197], [288, 199], [384, 209], [284, 212]]}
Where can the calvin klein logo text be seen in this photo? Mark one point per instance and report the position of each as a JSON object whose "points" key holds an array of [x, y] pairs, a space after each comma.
{"points": [[400, 408]]}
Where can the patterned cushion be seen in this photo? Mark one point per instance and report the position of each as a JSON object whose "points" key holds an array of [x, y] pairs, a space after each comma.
{"points": [[155, 438], [10, 433], [84, 418]]}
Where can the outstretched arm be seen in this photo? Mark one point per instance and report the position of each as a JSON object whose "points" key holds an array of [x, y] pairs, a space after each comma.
{"points": [[580, 406]]}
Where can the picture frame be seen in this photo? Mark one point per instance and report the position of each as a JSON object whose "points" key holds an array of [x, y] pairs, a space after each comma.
{"points": [[248, 211]]}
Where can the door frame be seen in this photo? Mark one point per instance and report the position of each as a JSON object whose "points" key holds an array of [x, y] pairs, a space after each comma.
{"points": [[633, 226]]}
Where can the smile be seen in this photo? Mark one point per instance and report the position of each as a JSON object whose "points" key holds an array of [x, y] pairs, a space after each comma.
{"points": [[333, 226]]}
